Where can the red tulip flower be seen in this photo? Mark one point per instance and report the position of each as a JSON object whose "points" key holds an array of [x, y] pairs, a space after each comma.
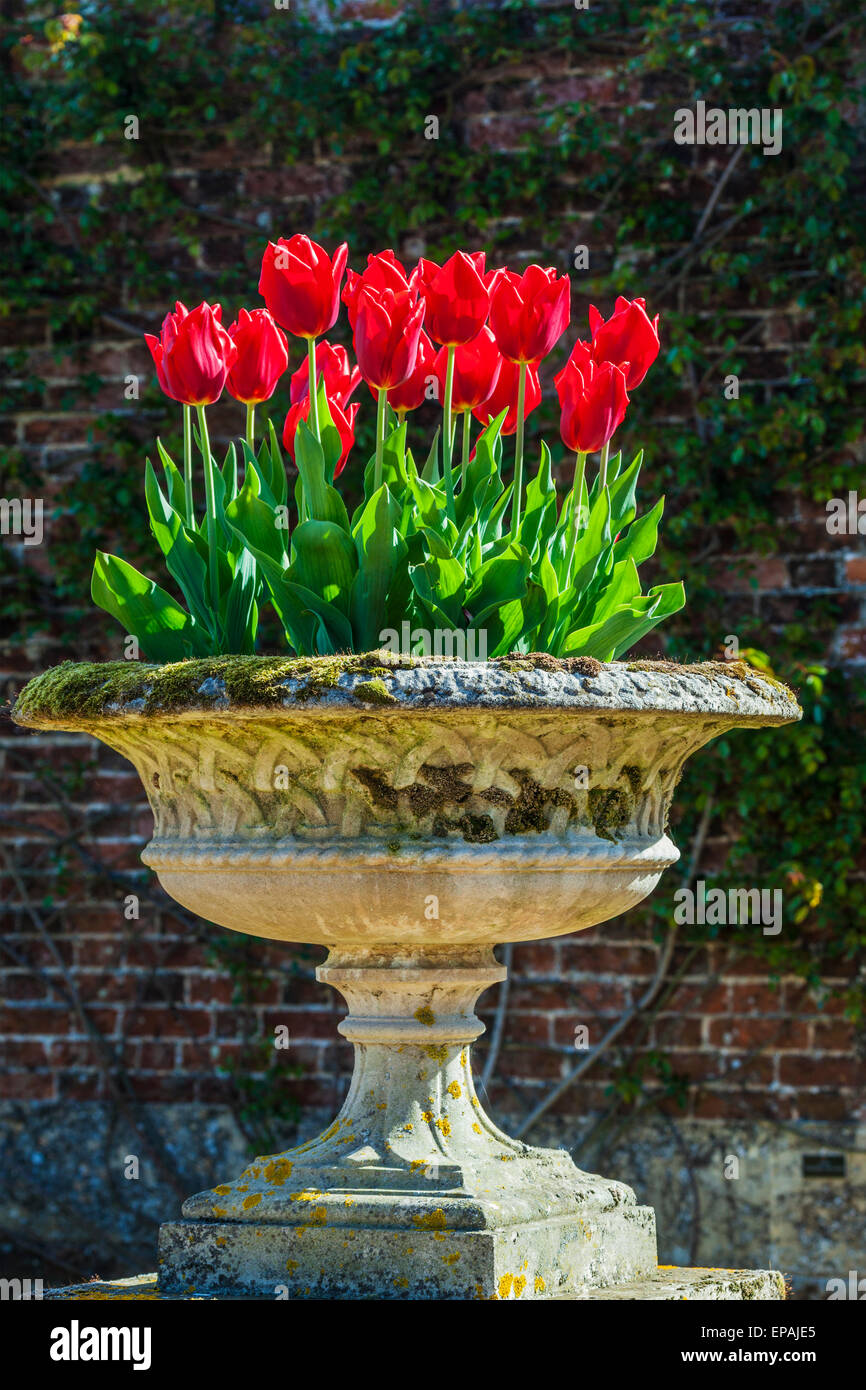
{"points": [[384, 272], [628, 339], [332, 367], [504, 397], [300, 284], [413, 391], [456, 297], [193, 355], [387, 333], [529, 312], [594, 401], [476, 371], [344, 421], [262, 357]]}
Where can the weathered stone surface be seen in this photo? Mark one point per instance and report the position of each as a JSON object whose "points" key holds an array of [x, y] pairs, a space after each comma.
{"points": [[664, 1284]]}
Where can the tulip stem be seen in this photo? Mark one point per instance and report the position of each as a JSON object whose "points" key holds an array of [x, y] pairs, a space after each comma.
{"points": [[467, 430], [314, 399], [251, 425], [576, 502], [187, 466], [517, 496], [602, 467], [210, 495], [448, 441], [380, 436]]}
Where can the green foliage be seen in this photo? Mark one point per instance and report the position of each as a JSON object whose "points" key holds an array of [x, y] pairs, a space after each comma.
{"points": [[416, 550]]}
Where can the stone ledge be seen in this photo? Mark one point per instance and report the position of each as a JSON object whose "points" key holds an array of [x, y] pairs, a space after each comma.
{"points": [[668, 1284]]}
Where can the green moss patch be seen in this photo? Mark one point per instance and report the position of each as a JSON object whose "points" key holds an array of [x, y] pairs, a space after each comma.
{"points": [[85, 690]]}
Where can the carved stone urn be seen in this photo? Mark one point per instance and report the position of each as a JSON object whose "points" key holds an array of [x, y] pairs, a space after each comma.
{"points": [[409, 815]]}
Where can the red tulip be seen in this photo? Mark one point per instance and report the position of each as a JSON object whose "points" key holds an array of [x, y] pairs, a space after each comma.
{"points": [[387, 332], [344, 420], [476, 371], [594, 401], [504, 397], [301, 285], [262, 357], [332, 367], [456, 297], [193, 355], [628, 339], [529, 312], [384, 272], [413, 391]]}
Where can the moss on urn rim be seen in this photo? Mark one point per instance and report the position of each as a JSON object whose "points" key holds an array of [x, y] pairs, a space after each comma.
{"points": [[77, 693]]}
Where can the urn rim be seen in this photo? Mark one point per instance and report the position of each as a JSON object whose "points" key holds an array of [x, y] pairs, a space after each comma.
{"points": [[83, 694]]}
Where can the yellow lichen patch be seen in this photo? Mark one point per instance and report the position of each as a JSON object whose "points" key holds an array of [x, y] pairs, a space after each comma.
{"points": [[463, 1058], [242, 1187], [454, 1090], [408, 1128], [519, 1285], [306, 1196], [417, 1163], [349, 1202], [333, 1128], [291, 1265], [476, 1127], [433, 1221], [401, 1283], [278, 1170], [383, 1105], [444, 1125], [319, 1217], [223, 1190], [452, 1258], [220, 1211], [251, 1201], [438, 1052], [506, 1158], [504, 1286], [425, 1015], [427, 1115], [220, 1240], [540, 1285]]}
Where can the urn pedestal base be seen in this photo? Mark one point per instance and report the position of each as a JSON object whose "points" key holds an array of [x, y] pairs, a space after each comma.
{"points": [[413, 1191]]}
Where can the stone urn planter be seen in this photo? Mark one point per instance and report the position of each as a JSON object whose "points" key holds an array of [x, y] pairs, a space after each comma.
{"points": [[409, 816]]}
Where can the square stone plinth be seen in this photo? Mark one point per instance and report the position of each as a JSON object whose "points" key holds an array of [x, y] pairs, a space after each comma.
{"points": [[539, 1259]]}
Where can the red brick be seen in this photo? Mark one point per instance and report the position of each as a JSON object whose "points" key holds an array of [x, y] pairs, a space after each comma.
{"points": [[26, 1085], [35, 1020], [827, 1072], [810, 1105], [770, 1034]]}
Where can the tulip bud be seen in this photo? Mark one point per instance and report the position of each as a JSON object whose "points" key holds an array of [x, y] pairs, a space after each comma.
{"points": [[300, 284], [529, 312], [627, 337], [193, 355], [262, 357]]}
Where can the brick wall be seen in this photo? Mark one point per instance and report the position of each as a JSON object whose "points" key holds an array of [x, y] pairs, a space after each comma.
{"points": [[98, 1006]]}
